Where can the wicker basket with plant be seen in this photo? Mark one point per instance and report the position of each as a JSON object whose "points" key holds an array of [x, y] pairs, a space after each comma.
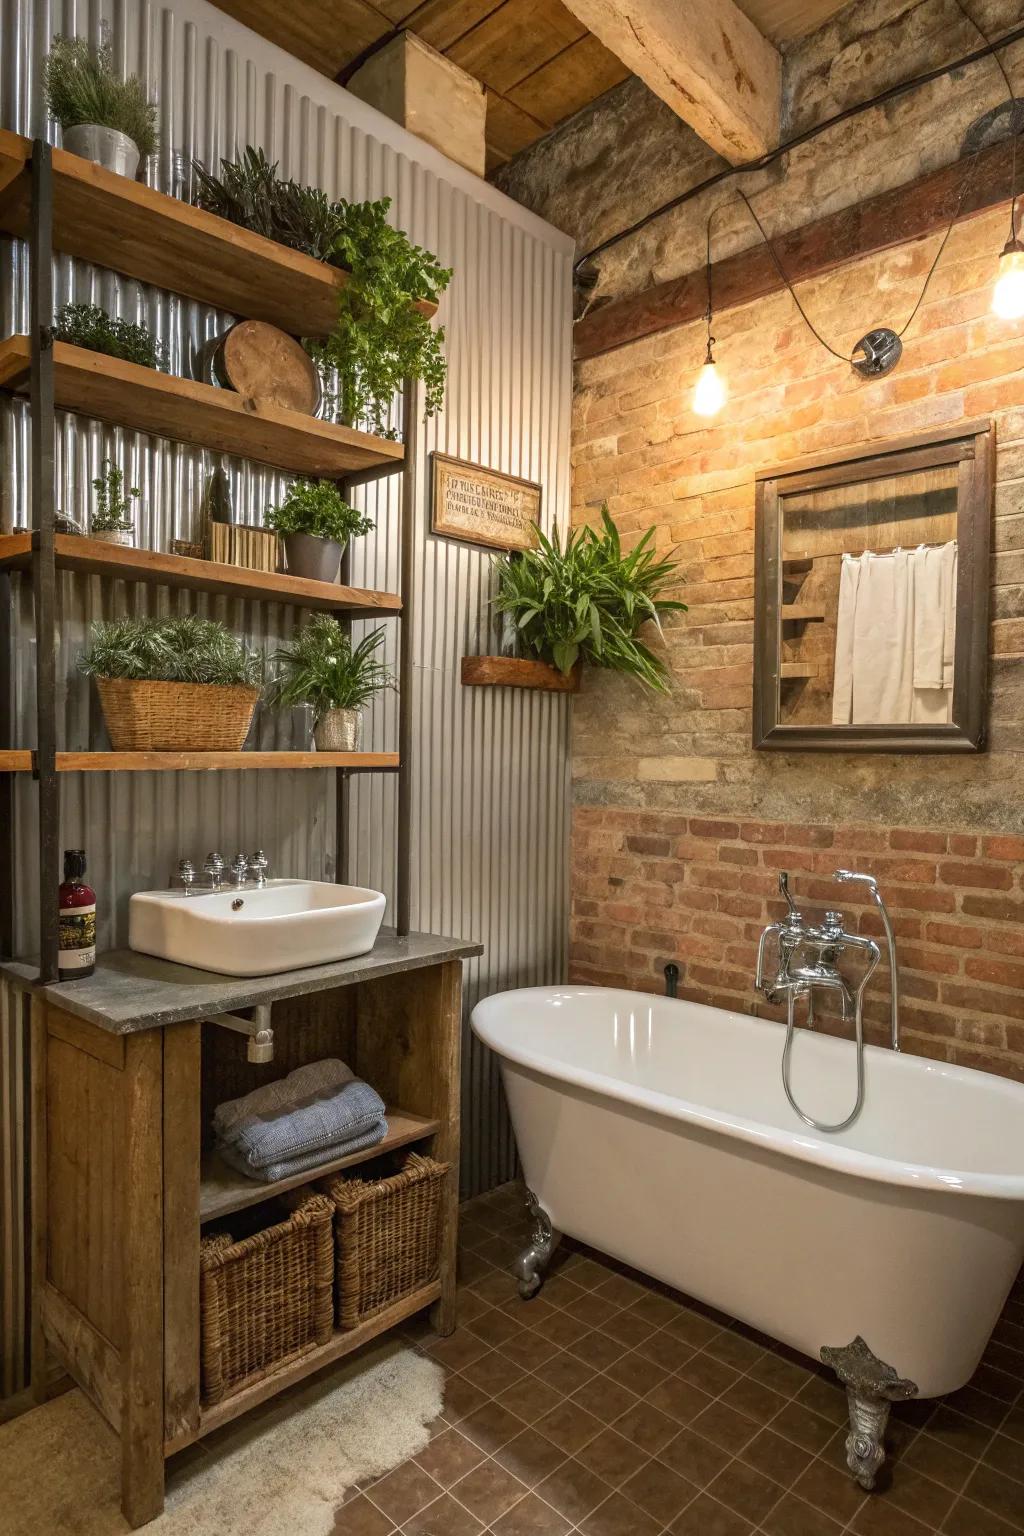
{"points": [[173, 685]]}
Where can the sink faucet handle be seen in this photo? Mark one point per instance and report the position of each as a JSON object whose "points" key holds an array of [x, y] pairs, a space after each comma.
{"points": [[258, 865], [239, 869], [186, 873], [214, 867], [784, 891]]}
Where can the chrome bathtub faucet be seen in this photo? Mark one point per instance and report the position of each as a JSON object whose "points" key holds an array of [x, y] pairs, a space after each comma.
{"points": [[808, 959]]}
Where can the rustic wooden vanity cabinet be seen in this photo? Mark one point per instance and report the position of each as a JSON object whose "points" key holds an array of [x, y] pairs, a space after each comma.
{"points": [[126, 1074]]}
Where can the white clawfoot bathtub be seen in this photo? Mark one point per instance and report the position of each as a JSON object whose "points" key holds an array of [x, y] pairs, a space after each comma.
{"points": [[658, 1132]]}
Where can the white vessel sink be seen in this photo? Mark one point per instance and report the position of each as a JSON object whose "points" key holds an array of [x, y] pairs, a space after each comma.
{"points": [[282, 926]]}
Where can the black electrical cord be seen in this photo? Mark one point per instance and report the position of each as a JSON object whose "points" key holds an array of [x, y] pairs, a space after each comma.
{"points": [[890, 94]]}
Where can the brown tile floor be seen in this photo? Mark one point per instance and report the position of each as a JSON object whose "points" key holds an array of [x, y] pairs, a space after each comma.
{"points": [[611, 1406]]}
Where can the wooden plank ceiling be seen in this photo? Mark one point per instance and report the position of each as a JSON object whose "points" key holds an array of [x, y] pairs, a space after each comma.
{"points": [[539, 64]]}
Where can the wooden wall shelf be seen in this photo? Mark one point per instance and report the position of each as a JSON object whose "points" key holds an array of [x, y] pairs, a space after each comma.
{"points": [[130, 228], [223, 1190], [108, 389], [95, 558], [515, 672], [178, 762], [802, 613], [793, 671]]}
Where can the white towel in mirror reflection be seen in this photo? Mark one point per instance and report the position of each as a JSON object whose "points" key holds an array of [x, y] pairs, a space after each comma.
{"points": [[895, 631]]}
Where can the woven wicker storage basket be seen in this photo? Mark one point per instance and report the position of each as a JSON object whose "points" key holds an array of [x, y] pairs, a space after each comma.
{"points": [[266, 1299], [387, 1235], [144, 716]]}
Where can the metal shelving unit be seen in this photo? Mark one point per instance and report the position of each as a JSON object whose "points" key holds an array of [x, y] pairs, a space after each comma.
{"points": [[235, 271]]}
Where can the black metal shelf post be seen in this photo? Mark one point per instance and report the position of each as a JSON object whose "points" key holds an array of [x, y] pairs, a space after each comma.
{"points": [[44, 567]]}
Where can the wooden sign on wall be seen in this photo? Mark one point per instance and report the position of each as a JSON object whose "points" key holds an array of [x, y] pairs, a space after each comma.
{"points": [[483, 506]]}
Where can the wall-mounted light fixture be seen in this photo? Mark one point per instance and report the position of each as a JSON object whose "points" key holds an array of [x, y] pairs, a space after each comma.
{"points": [[1008, 294]]}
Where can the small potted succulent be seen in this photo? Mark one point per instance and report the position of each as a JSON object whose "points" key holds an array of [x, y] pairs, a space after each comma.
{"points": [[173, 685], [102, 117], [111, 520], [315, 523], [322, 668]]}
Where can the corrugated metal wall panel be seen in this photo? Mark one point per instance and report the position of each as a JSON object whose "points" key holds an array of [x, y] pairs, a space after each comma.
{"points": [[491, 767]]}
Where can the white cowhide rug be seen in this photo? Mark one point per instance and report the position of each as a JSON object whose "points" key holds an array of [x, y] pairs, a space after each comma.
{"points": [[281, 1470]]}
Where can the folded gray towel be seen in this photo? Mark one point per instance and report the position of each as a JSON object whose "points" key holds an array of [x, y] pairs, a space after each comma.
{"points": [[308, 1161], [316, 1108]]}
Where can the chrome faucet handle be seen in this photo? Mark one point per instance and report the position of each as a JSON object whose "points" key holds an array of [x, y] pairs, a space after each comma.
{"points": [[186, 874], [214, 867], [239, 869], [258, 866]]}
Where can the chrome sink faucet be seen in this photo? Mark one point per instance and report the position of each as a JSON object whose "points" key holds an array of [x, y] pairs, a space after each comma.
{"points": [[245, 869]]}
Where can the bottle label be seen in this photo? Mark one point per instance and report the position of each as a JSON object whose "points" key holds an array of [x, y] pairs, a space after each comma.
{"points": [[77, 938]]}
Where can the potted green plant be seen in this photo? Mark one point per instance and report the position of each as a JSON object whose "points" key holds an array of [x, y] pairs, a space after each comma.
{"points": [[587, 601], [315, 523], [102, 117], [382, 335], [111, 519], [89, 326], [322, 668], [173, 685]]}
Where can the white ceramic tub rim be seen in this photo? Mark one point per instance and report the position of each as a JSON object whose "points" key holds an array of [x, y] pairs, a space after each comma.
{"points": [[799, 1144]]}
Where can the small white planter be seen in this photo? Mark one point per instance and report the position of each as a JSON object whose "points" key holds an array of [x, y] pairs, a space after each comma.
{"points": [[108, 147], [339, 730], [122, 536]]}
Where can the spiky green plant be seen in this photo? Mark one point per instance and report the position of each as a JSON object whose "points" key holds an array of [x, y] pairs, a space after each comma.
{"points": [[321, 667], [183, 650], [586, 599], [83, 86], [87, 325], [112, 512], [318, 508]]}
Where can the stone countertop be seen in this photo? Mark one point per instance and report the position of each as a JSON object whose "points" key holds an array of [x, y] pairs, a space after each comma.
{"points": [[129, 992]]}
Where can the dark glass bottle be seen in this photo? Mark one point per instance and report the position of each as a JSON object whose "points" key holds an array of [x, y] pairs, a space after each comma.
{"points": [[77, 920]]}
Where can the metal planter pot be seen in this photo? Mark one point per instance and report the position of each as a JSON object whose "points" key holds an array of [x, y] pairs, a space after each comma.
{"points": [[316, 559], [108, 147], [339, 730]]}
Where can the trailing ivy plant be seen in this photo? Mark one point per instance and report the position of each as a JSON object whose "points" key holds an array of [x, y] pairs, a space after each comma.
{"points": [[83, 86], [87, 325], [587, 600], [321, 667], [112, 511], [183, 650], [318, 508], [380, 338]]}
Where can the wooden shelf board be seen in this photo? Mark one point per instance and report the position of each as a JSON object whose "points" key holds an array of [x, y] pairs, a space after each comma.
{"points": [[291, 1371], [792, 670], [802, 613], [128, 395], [177, 762], [223, 1190], [130, 228], [96, 558], [798, 566], [516, 672]]}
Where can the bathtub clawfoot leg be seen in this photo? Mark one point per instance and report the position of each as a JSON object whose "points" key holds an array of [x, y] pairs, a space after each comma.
{"points": [[529, 1267], [871, 1389]]}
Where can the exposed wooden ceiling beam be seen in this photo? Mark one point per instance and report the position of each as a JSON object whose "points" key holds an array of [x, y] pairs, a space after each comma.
{"points": [[705, 59], [905, 213]]}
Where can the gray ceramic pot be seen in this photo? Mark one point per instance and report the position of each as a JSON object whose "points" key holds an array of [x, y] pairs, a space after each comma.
{"points": [[105, 146], [316, 559], [339, 730]]}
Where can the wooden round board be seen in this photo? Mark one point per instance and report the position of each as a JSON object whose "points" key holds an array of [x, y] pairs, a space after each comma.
{"points": [[268, 367]]}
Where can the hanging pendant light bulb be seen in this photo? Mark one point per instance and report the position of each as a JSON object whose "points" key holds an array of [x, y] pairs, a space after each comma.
{"points": [[1008, 294], [711, 393]]}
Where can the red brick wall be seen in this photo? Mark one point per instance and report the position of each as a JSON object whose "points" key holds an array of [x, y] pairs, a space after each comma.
{"points": [[679, 827]]}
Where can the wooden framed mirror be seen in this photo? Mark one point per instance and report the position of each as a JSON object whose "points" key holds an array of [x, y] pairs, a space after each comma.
{"points": [[871, 589]]}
